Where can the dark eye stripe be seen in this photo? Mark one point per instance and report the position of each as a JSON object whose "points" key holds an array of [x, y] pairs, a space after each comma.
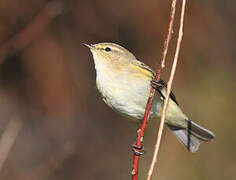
{"points": [[107, 49]]}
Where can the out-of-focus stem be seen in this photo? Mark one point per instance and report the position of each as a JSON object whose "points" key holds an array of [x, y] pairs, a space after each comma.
{"points": [[8, 138]]}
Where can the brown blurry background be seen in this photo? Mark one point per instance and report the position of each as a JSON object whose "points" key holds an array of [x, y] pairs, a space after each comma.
{"points": [[53, 123]]}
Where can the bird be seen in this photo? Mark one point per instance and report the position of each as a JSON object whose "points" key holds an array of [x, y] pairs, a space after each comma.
{"points": [[125, 82]]}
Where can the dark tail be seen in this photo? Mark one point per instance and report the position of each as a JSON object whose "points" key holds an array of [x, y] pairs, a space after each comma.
{"points": [[192, 136]]}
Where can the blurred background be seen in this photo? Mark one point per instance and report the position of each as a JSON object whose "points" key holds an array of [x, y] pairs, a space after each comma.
{"points": [[53, 123]]}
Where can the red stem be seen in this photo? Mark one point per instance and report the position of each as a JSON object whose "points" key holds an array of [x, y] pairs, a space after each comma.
{"points": [[140, 133]]}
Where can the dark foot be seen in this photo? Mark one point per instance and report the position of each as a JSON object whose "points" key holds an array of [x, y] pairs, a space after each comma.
{"points": [[137, 150], [156, 85]]}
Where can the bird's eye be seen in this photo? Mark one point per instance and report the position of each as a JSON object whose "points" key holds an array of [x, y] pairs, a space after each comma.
{"points": [[107, 49]]}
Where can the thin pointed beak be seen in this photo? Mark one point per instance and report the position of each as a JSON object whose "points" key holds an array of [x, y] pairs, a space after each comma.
{"points": [[89, 46]]}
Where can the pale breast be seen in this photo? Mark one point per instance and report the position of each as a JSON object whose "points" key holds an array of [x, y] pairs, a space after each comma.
{"points": [[124, 93]]}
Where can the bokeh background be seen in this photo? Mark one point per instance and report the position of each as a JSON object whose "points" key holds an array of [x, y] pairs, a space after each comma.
{"points": [[53, 123]]}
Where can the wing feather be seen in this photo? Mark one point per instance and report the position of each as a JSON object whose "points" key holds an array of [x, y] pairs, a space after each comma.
{"points": [[152, 74]]}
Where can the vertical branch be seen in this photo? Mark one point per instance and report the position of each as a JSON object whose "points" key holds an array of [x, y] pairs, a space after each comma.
{"points": [[157, 146], [140, 133]]}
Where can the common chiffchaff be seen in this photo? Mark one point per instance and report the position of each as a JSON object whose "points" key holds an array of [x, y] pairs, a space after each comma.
{"points": [[125, 83]]}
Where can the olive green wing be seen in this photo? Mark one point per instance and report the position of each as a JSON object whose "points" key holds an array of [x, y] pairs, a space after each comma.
{"points": [[142, 70], [152, 73]]}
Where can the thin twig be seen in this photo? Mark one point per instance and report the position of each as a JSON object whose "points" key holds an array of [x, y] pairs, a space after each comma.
{"points": [[140, 135], [8, 138], [157, 146]]}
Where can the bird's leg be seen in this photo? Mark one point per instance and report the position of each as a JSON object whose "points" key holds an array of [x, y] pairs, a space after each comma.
{"points": [[156, 85], [137, 150]]}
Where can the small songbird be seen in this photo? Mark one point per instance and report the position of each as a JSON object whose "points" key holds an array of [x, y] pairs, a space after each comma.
{"points": [[124, 83]]}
